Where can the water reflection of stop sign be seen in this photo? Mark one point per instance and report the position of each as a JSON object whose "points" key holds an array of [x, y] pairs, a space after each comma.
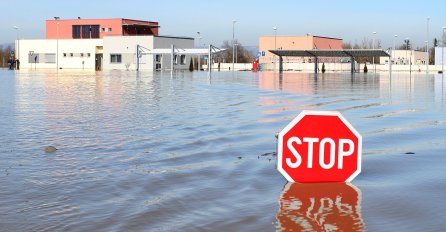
{"points": [[320, 207], [319, 146]]}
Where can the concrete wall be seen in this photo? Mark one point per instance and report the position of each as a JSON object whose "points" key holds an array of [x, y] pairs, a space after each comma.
{"points": [[126, 47], [61, 50], [404, 57], [439, 52], [330, 67], [179, 43]]}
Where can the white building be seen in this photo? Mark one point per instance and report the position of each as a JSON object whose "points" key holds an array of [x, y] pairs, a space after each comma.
{"points": [[108, 44], [440, 56], [406, 57], [111, 52]]}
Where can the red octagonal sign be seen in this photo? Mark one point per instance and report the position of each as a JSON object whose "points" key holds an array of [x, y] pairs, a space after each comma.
{"points": [[319, 146]]}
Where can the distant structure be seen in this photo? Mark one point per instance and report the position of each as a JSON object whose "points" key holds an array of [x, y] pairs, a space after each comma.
{"points": [[307, 42], [440, 55], [98, 44], [405, 57]]}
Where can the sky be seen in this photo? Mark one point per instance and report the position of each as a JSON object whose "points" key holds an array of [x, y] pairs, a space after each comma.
{"points": [[347, 19]]}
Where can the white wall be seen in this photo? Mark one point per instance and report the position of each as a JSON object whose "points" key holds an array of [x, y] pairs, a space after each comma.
{"points": [[58, 47], [126, 46], [439, 51]]}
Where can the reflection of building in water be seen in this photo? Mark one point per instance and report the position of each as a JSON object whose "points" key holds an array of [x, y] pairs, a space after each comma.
{"points": [[320, 207]]}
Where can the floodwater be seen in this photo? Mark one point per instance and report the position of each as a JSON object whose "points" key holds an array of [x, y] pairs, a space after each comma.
{"points": [[155, 152]]}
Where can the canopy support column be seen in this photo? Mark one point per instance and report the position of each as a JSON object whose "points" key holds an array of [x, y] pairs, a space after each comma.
{"points": [[352, 64], [280, 64], [315, 64], [172, 58]]}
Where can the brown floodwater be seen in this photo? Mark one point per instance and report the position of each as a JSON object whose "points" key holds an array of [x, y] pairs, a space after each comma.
{"points": [[185, 152]]}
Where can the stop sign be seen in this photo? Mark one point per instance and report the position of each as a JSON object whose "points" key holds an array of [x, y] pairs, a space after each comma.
{"points": [[319, 146]]}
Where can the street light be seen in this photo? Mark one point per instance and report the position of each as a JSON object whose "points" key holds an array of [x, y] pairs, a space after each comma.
{"points": [[236, 52], [18, 42], [373, 47], [427, 46], [233, 42], [275, 46], [442, 52], [394, 37], [57, 47], [406, 41], [198, 56]]}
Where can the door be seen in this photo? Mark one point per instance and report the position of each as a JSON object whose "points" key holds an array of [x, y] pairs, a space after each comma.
{"points": [[98, 62]]}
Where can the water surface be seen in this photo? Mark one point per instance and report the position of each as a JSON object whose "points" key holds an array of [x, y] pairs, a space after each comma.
{"points": [[182, 152]]}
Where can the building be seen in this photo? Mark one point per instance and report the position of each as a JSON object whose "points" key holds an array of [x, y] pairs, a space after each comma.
{"points": [[440, 55], [405, 57], [307, 42], [98, 44]]}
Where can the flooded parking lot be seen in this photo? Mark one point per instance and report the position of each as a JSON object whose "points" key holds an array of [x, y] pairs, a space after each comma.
{"points": [[184, 152]]}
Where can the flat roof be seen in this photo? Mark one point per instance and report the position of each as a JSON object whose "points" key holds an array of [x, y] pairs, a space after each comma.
{"points": [[332, 53]]}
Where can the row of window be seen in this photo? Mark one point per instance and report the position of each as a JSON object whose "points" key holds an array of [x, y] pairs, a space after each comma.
{"points": [[106, 29], [85, 31], [76, 54], [181, 59]]}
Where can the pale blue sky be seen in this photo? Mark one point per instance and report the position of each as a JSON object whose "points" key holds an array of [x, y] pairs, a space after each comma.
{"points": [[346, 19]]}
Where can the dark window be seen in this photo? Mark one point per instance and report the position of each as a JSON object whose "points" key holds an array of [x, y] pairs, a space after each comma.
{"points": [[94, 31], [76, 31], [115, 58], [85, 31]]}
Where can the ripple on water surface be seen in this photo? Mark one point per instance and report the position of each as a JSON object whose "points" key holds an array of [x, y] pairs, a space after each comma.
{"points": [[156, 152]]}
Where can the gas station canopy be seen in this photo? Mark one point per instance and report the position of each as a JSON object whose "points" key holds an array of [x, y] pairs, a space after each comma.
{"points": [[352, 53], [332, 53]]}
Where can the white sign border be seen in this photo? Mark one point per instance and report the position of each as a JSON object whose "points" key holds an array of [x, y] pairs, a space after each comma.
{"points": [[324, 113]]}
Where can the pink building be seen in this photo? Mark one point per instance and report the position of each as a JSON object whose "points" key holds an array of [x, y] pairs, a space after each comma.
{"points": [[98, 28], [296, 43]]}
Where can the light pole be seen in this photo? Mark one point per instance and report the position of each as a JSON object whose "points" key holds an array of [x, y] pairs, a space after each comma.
{"points": [[18, 43], [236, 52], [275, 46], [198, 56], [394, 38], [427, 46], [373, 47], [442, 52], [233, 42], [57, 48]]}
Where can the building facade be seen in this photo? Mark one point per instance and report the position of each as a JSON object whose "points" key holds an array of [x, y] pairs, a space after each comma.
{"points": [[406, 57], [96, 44], [307, 42]]}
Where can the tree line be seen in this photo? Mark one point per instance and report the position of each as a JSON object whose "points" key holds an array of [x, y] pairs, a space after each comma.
{"points": [[5, 54]]}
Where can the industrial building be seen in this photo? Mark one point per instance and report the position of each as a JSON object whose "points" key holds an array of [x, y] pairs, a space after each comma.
{"points": [[307, 42], [98, 44]]}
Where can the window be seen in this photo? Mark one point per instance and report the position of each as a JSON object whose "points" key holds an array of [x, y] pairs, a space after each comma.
{"points": [[65, 55], [82, 54], [50, 58], [115, 58], [158, 58], [183, 59], [94, 31], [71, 54], [76, 31], [85, 31], [175, 59], [88, 55], [106, 29]]}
